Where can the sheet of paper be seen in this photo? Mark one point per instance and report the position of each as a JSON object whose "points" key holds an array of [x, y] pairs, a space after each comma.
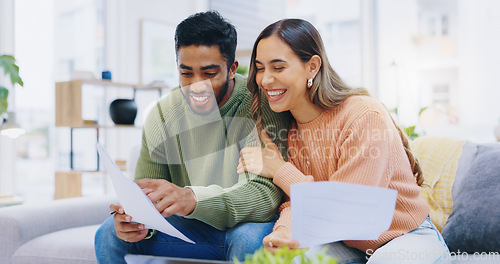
{"points": [[135, 202], [325, 212]]}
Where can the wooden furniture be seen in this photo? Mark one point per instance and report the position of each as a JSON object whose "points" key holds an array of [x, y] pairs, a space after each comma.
{"points": [[69, 109]]}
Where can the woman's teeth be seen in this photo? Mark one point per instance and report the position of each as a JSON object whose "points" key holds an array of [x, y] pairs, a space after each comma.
{"points": [[274, 94]]}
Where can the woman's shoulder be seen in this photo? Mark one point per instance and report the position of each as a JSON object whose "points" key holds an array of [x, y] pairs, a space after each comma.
{"points": [[353, 108], [363, 103]]}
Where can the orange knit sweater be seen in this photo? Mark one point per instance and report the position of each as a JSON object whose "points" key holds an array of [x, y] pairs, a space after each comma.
{"points": [[355, 143]]}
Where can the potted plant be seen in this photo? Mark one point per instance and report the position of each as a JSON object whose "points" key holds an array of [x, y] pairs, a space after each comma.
{"points": [[285, 255], [8, 63]]}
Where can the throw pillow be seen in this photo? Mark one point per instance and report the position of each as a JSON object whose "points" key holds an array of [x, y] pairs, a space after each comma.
{"points": [[439, 158], [473, 225]]}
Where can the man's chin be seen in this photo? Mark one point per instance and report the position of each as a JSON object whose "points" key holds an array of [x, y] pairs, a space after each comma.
{"points": [[203, 110]]}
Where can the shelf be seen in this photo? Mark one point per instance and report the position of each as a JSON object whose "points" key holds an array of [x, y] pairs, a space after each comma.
{"points": [[106, 83], [105, 127], [69, 100]]}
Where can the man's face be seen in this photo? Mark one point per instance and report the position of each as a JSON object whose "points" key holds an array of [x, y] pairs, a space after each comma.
{"points": [[204, 77]]}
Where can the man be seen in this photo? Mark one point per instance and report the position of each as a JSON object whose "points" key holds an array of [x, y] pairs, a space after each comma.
{"points": [[189, 157]]}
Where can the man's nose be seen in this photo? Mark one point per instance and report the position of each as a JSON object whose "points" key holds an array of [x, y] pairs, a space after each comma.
{"points": [[201, 86]]}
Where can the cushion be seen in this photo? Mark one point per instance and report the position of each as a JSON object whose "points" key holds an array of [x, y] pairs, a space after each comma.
{"points": [[439, 159], [469, 152], [69, 246], [473, 225]]}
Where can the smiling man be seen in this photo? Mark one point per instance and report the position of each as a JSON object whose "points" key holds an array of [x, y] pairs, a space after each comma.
{"points": [[189, 157]]}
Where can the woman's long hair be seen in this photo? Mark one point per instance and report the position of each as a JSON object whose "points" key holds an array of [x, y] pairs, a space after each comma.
{"points": [[328, 90]]}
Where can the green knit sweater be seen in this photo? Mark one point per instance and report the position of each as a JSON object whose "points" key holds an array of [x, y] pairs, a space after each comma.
{"points": [[202, 151]]}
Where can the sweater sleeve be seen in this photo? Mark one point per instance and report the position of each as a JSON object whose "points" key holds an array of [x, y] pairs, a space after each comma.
{"points": [[364, 151], [252, 199]]}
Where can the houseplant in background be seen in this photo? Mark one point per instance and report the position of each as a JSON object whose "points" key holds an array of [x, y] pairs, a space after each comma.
{"points": [[8, 63], [8, 125]]}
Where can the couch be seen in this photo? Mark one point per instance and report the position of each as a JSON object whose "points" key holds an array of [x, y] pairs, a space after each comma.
{"points": [[55, 232], [460, 183]]}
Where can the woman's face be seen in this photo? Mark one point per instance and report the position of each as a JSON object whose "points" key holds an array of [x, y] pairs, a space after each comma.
{"points": [[281, 75]]}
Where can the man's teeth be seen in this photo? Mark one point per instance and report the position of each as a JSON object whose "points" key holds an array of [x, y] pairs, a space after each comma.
{"points": [[274, 94], [200, 98]]}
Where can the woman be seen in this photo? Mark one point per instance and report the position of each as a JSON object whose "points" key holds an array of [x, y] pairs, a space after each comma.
{"points": [[338, 134]]}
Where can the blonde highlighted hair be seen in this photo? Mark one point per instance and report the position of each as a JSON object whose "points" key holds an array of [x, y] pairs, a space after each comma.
{"points": [[328, 90]]}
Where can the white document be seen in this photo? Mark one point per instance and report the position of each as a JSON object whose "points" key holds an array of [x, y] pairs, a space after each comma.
{"points": [[325, 212], [135, 202]]}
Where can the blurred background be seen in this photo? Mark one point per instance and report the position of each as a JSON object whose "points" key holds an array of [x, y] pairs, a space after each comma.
{"points": [[433, 63]]}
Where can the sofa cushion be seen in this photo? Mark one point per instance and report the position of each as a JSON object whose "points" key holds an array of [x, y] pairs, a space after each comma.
{"points": [[69, 246], [474, 225], [439, 159]]}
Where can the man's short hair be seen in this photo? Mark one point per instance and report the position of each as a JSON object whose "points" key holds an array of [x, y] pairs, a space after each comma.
{"points": [[207, 29]]}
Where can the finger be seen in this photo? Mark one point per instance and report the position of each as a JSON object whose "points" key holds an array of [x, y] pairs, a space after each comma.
{"points": [[162, 205], [130, 227], [116, 208], [266, 139], [147, 191], [119, 218], [249, 151], [241, 166], [147, 183]]}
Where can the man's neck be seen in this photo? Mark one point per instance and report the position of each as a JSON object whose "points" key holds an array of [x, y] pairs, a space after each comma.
{"points": [[230, 89]]}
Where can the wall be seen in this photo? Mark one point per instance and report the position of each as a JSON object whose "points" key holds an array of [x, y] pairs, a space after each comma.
{"points": [[124, 30], [479, 75], [397, 25]]}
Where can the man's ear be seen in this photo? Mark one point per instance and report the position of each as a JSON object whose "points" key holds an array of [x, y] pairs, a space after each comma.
{"points": [[232, 70], [313, 65]]}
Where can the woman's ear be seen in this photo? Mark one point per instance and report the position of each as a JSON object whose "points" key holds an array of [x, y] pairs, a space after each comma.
{"points": [[232, 70], [313, 65]]}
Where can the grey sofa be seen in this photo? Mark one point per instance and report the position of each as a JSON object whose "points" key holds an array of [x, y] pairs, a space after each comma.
{"points": [[56, 232], [62, 231]]}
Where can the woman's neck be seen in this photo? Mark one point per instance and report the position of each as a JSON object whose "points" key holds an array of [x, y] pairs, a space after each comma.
{"points": [[306, 113]]}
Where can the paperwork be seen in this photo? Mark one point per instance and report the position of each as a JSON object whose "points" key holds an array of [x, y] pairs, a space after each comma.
{"points": [[325, 212], [135, 202]]}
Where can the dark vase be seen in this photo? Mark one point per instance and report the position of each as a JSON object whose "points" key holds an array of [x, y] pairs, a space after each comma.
{"points": [[123, 111]]}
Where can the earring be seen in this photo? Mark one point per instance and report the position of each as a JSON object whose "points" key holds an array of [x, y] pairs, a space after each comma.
{"points": [[310, 83]]}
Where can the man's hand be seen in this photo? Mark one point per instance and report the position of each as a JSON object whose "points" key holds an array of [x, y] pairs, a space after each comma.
{"points": [[278, 238], [169, 199], [264, 161], [130, 232]]}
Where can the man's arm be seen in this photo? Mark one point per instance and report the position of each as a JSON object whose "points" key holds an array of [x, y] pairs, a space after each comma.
{"points": [[253, 198]]}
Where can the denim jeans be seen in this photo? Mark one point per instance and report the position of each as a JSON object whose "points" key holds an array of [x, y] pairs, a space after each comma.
{"points": [[422, 245], [211, 243]]}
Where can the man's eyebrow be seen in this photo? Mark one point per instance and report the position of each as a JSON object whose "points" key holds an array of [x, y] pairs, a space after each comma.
{"points": [[182, 66], [211, 66]]}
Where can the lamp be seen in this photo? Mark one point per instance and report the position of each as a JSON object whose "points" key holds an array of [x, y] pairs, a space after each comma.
{"points": [[10, 128]]}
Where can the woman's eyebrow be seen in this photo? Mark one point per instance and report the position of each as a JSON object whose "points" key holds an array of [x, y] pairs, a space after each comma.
{"points": [[273, 61]]}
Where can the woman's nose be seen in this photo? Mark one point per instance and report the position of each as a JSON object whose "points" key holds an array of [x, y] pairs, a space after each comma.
{"points": [[267, 79]]}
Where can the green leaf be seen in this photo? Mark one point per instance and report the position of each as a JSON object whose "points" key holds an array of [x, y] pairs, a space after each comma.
{"points": [[8, 63], [3, 99], [285, 255], [410, 131]]}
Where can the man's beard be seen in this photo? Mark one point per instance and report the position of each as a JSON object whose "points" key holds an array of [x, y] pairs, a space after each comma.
{"points": [[214, 106]]}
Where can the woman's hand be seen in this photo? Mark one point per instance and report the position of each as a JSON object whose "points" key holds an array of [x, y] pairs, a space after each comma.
{"points": [[279, 238], [264, 161]]}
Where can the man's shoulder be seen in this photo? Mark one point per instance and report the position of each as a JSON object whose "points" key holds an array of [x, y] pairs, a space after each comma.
{"points": [[167, 108]]}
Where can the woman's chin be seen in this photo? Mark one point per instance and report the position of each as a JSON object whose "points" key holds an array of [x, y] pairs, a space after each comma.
{"points": [[277, 108]]}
